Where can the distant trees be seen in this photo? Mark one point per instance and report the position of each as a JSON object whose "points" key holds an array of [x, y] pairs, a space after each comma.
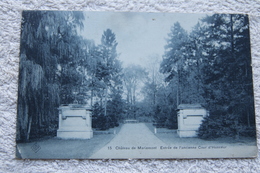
{"points": [[133, 76], [159, 98], [164, 111]]}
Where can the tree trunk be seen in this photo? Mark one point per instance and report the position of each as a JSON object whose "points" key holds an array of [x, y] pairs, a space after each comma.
{"points": [[29, 129], [91, 98], [105, 113], [178, 83], [232, 35], [248, 117]]}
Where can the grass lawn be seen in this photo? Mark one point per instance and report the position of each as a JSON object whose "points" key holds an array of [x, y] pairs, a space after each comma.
{"points": [[55, 148], [171, 137]]}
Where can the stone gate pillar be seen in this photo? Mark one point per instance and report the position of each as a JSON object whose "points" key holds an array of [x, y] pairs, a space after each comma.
{"points": [[75, 122], [190, 117]]}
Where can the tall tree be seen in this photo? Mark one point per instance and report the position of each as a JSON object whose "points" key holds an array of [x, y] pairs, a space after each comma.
{"points": [[109, 55], [226, 66], [173, 63], [40, 69], [212, 67], [107, 77]]}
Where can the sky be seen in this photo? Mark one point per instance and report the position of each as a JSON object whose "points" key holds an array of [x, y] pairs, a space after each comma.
{"points": [[139, 35]]}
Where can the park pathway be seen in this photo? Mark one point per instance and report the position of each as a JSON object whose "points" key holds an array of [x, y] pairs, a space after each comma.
{"points": [[133, 141]]}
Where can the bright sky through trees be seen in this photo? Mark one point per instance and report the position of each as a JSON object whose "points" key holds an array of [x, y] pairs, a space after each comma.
{"points": [[139, 35]]}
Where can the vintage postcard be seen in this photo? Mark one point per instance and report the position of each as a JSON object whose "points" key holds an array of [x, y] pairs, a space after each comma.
{"points": [[120, 85]]}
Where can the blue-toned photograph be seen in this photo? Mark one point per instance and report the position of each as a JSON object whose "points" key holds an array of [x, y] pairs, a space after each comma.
{"points": [[120, 85]]}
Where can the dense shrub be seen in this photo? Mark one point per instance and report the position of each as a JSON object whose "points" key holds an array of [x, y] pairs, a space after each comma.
{"points": [[165, 117], [99, 120], [226, 125]]}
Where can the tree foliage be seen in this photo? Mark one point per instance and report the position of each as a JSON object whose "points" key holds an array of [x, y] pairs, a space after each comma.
{"points": [[211, 66], [44, 46], [107, 78], [134, 75], [228, 81], [57, 66]]}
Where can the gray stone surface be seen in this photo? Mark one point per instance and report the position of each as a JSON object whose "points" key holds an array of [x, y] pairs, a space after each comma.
{"points": [[189, 119], [75, 122]]}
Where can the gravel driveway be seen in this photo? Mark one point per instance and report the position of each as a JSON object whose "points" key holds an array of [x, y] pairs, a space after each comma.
{"points": [[133, 141], [137, 141]]}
